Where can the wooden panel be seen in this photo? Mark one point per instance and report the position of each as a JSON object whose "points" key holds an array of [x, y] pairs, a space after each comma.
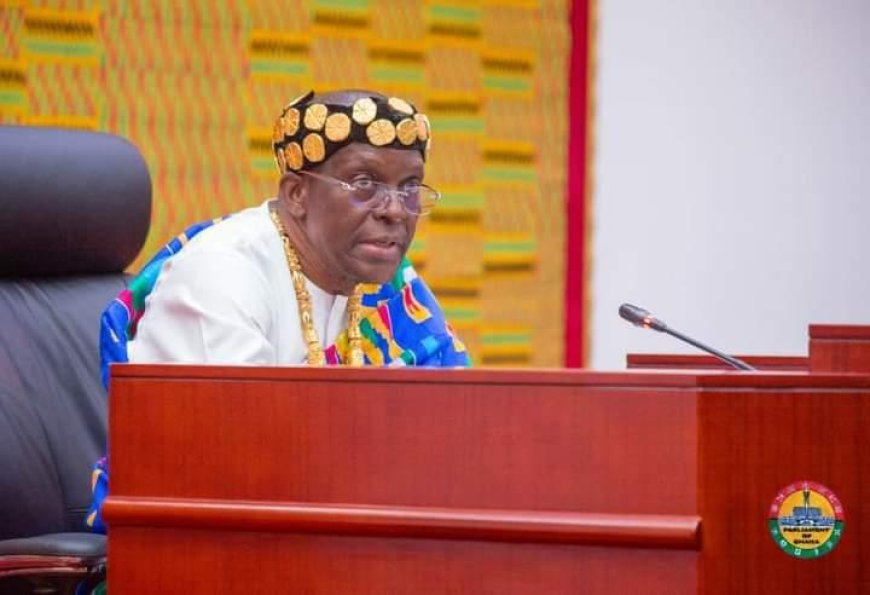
{"points": [[467, 439], [839, 348], [508, 482], [674, 361], [648, 531], [759, 435], [181, 561], [399, 481]]}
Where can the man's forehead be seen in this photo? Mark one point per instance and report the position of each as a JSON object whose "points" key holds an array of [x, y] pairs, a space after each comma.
{"points": [[363, 155]]}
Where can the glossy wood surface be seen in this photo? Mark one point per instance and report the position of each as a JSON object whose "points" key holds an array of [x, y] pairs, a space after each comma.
{"points": [[466, 438], [760, 436], [839, 348], [679, 361], [400, 481], [674, 532]]}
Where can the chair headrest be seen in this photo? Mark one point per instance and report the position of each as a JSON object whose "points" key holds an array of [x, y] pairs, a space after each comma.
{"points": [[71, 202]]}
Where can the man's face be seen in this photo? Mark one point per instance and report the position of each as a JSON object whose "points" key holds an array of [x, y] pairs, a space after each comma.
{"points": [[355, 243]]}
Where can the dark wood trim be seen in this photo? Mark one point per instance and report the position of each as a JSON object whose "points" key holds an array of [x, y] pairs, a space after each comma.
{"points": [[675, 361], [476, 376], [613, 530], [853, 332]]}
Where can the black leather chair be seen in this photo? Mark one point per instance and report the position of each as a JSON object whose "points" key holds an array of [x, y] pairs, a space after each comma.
{"points": [[74, 212]]}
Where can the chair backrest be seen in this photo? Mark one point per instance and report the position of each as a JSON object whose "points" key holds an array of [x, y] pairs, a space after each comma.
{"points": [[74, 212]]}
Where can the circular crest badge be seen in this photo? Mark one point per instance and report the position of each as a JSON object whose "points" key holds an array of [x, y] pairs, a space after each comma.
{"points": [[806, 520]]}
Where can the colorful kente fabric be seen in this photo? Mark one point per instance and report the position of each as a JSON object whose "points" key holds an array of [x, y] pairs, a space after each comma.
{"points": [[402, 325], [99, 489]]}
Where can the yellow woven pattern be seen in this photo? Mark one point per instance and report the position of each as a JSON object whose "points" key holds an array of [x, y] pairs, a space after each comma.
{"points": [[196, 85]]}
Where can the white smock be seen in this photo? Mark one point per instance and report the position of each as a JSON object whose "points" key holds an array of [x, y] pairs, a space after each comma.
{"points": [[227, 298]]}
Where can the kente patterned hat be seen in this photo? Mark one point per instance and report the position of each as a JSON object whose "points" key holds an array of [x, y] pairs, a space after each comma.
{"points": [[307, 133]]}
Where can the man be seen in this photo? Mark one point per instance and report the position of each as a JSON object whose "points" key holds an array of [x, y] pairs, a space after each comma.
{"points": [[317, 275], [348, 201]]}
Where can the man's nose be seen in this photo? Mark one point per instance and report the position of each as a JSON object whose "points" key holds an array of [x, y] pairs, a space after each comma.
{"points": [[392, 204]]}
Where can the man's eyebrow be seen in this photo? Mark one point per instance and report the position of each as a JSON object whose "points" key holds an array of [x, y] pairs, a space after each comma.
{"points": [[367, 161], [363, 159]]}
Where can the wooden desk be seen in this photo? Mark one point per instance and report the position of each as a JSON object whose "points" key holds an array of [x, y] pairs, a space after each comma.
{"points": [[261, 480], [839, 348], [696, 362]]}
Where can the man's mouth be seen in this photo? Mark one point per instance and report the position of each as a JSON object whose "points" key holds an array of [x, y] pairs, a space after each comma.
{"points": [[382, 249]]}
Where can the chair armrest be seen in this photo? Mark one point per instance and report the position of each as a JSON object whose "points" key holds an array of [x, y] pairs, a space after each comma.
{"points": [[55, 553]]}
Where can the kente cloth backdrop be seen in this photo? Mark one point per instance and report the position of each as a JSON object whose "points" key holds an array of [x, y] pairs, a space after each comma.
{"points": [[196, 85]]}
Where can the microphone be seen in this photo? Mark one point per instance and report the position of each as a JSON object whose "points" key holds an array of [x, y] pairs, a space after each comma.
{"points": [[640, 317]]}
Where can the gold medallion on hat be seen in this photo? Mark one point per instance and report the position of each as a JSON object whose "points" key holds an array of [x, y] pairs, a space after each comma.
{"points": [[422, 126], [291, 121], [278, 131], [400, 105], [381, 132], [279, 159], [293, 156], [364, 110], [406, 130], [337, 127], [315, 116], [314, 148]]}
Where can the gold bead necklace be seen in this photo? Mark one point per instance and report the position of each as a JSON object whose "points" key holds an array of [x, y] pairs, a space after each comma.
{"points": [[315, 355]]}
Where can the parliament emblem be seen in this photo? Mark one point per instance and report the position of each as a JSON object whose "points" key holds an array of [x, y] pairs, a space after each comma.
{"points": [[806, 520]]}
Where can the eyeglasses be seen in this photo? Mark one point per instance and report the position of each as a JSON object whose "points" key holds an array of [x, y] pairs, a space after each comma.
{"points": [[417, 199]]}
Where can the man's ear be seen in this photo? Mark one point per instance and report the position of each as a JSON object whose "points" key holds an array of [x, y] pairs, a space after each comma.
{"points": [[292, 193]]}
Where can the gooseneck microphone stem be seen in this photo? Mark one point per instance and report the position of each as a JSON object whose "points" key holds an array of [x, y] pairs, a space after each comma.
{"points": [[737, 363], [640, 317]]}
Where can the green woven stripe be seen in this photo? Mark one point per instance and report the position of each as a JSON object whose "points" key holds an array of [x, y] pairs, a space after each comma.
{"points": [[393, 74], [285, 68], [354, 5], [454, 13], [264, 164], [60, 48], [461, 314], [12, 98], [497, 246], [509, 174], [461, 200], [506, 83], [506, 338], [457, 124]]}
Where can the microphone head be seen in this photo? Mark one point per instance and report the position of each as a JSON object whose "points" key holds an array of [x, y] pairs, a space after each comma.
{"points": [[640, 317], [633, 314]]}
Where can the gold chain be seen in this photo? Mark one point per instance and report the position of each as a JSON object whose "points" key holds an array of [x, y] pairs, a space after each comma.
{"points": [[315, 356]]}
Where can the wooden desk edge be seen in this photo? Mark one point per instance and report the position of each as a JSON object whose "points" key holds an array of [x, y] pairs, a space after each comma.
{"points": [[592, 529]]}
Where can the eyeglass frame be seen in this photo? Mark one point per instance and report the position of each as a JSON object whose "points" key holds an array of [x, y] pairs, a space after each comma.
{"points": [[380, 188]]}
